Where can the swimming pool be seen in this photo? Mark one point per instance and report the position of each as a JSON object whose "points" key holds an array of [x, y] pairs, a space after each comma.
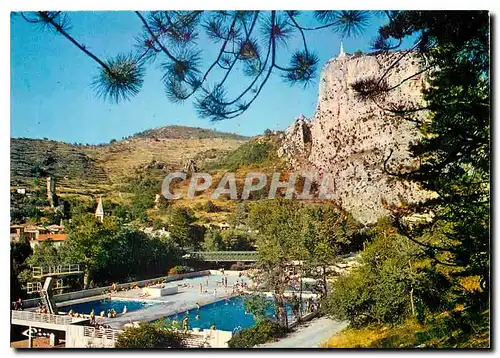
{"points": [[105, 305], [225, 315]]}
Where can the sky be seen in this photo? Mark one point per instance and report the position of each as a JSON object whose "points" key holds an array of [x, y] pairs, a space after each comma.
{"points": [[52, 97]]}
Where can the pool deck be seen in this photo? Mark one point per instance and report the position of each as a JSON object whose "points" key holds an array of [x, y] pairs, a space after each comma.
{"points": [[185, 299]]}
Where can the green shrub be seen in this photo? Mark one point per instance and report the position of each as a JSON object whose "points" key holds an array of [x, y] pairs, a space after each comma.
{"points": [[179, 269], [210, 207], [390, 284], [149, 336], [264, 331], [247, 154]]}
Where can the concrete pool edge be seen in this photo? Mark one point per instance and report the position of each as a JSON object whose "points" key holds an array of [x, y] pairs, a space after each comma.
{"points": [[63, 298]]}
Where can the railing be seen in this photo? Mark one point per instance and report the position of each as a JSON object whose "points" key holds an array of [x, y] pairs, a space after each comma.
{"points": [[33, 287], [66, 269], [249, 256], [197, 341], [41, 317], [192, 340], [101, 333]]}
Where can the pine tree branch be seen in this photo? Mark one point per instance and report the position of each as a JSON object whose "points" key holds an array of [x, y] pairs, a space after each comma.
{"points": [[155, 38], [58, 28], [301, 31]]}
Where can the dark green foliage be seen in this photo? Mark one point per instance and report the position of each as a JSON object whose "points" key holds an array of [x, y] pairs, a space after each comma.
{"points": [[228, 240], [264, 331], [210, 207], [120, 80], [455, 149], [213, 241], [390, 279], [258, 305], [180, 227], [289, 230], [250, 153], [23, 207], [110, 251], [144, 190], [123, 212], [149, 336], [19, 253]]}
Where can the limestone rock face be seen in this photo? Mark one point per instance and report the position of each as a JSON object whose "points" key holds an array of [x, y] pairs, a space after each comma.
{"points": [[349, 138]]}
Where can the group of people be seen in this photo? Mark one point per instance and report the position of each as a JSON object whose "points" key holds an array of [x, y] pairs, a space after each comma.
{"points": [[111, 313], [42, 309], [18, 305], [239, 287]]}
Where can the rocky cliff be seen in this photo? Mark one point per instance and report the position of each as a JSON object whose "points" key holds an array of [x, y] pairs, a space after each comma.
{"points": [[350, 137]]}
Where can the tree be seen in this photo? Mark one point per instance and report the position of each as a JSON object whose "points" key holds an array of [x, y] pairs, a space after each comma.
{"points": [[86, 243], [213, 241], [453, 47], [250, 39], [112, 251], [149, 336], [19, 253], [278, 223], [258, 305], [393, 281], [144, 190], [45, 254], [180, 220], [328, 233]]}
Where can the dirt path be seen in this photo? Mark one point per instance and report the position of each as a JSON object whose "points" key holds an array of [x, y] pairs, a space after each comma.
{"points": [[309, 335]]}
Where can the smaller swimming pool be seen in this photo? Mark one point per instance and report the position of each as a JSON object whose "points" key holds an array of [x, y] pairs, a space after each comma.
{"points": [[105, 305]]}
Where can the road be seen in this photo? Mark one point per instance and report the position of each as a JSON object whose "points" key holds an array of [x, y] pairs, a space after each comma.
{"points": [[309, 335]]}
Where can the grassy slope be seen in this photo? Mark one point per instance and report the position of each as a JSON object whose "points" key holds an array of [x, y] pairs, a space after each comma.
{"points": [[256, 155], [442, 332]]}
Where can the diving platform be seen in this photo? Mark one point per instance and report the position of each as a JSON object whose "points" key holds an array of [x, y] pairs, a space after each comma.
{"points": [[225, 256], [56, 270]]}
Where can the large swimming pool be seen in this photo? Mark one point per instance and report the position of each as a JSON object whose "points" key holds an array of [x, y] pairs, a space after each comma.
{"points": [[105, 305], [227, 315]]}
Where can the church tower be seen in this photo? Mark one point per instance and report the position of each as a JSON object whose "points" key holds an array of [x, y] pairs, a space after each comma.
{"points": [[342, 54], [99, 212]]}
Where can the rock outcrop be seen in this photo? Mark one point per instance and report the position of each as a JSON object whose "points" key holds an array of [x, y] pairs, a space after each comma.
{"points": [[350, 138]]}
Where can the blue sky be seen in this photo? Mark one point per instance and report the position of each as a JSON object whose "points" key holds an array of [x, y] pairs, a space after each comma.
{"points": [[51, 94]]}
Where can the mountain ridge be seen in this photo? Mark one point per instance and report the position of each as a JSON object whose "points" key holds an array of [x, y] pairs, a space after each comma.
{"points": [[72, 164]]}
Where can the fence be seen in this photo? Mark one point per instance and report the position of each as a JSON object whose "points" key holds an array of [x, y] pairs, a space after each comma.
{"points": [[41, 317], [101, 333], [106, 337]]}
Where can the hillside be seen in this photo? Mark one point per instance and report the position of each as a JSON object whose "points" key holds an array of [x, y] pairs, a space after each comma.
{"points": [[91, 169], [62, 160], [183, 132]]}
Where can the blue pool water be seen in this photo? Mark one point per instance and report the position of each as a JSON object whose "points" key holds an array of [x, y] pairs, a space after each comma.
{"points": [[105, 305], [226, 315]]}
